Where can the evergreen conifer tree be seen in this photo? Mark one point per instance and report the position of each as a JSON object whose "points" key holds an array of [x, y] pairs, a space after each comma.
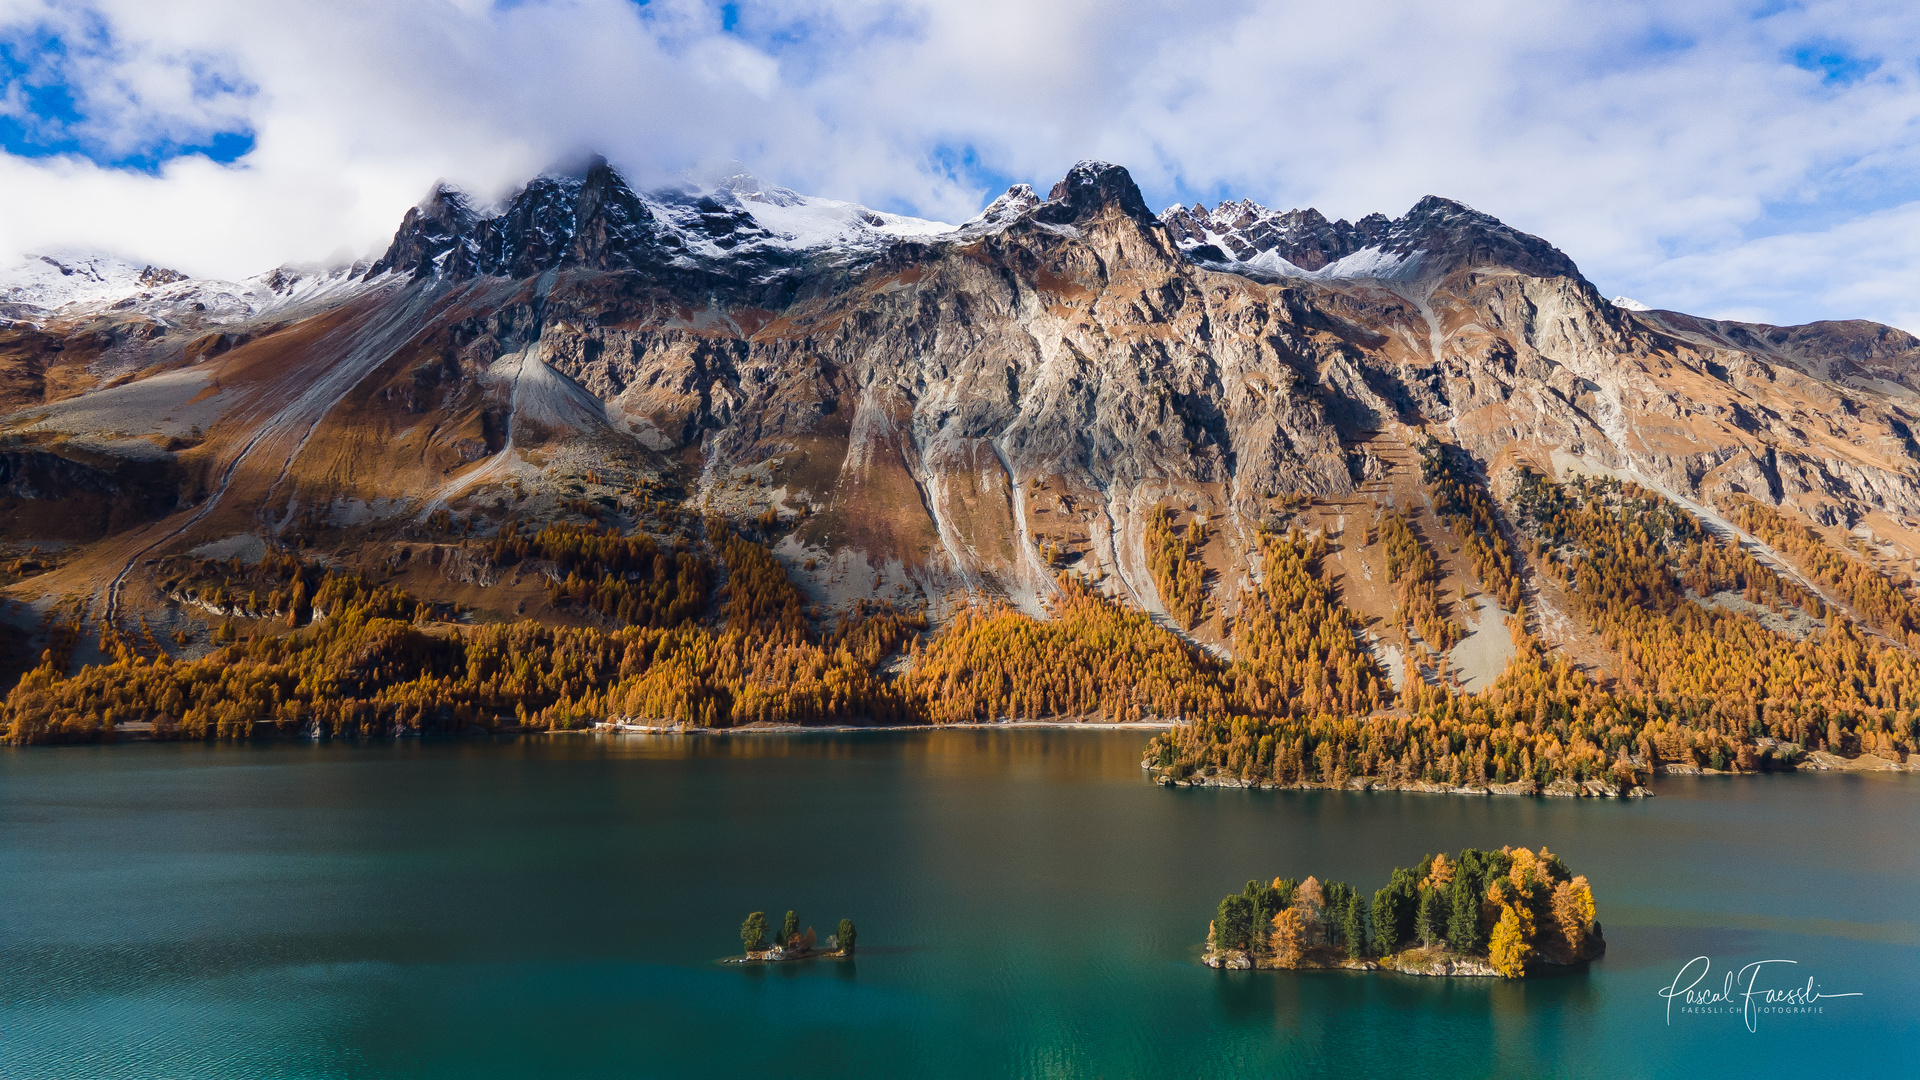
{"points": [[1463, 920], [1386, 921], [1266, 902], [1433, 916], [1353, 927], [1233, 924]]}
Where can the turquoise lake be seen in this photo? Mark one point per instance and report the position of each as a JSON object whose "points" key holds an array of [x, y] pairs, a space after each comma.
{"points": [[1028, 906]]}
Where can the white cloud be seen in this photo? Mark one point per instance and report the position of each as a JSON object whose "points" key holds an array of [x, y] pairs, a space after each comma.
{"points": [[1676, 151], [1866, 264]]}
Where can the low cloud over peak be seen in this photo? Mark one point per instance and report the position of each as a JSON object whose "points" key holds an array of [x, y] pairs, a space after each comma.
{"points": [[1710, 158]]}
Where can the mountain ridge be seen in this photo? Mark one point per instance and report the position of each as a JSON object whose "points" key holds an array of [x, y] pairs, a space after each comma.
{"points": [[915, 412]]}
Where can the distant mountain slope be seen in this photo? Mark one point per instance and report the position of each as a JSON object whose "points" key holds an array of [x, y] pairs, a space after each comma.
{"points": [[906, 410]]}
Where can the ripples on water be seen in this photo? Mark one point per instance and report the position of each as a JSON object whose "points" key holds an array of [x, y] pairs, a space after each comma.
{"points": [[1028, 906]]}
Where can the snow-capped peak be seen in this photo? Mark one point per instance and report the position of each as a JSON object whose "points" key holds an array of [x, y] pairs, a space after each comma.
{"points": [[50, 281], [808, 221], [73, 284], [1629, 303], [786, 218], [750, 188], [734, 224], [1003, 211], [1435, 237]]}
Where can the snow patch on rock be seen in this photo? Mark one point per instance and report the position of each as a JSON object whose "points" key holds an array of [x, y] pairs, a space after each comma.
{"points": [[1018, 201], [51, 281], [75, 283]]}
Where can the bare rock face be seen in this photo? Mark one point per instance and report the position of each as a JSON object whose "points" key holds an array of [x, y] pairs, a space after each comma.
{"points": [[593, 221], [1043, 380], [1240, 230], [1834, 350], [1091, 189], [949, 412], [1436, 236], [438, 236], [1439, 962]]}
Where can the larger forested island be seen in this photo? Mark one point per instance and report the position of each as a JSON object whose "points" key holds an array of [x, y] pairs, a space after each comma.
{"points": [[669, 459], [1478, 913]]}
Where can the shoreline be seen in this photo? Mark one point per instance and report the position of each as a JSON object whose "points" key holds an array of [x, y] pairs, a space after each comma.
{"points": [[1594, 789], [788, 956], [1422, 961], [1443, 966], [1818, 761], [615, 728], [142, 731], [1811, 762]]}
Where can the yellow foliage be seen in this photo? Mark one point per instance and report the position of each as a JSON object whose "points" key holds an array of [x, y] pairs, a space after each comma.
{"points": [[1525, 873], [1876, 600], [1091, 658], [1573, 911], [1412, 567], [1173, 556], [1507, 951], [1462, 502], [1302, 702], [1289, 938], [629, 579]]}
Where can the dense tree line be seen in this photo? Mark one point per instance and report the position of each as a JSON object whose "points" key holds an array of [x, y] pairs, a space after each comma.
{"points": [[631, 580], [1878, 601], [1509, 907], [376, 665], [1700, 686], [1302, 703], [1298, 649], [1173, 555], [1624, 557], [758, 596], [1090, 657], [1463, 503], [874, 631], [280, 585], [1415, 575], [791, 941]]}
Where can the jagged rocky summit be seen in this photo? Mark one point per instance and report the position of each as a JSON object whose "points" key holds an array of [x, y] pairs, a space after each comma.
{"points": [[1435, 237], [592, 220]]}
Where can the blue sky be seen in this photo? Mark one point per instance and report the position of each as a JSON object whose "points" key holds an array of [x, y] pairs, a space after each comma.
{"points": [[50, 107], [1750, 160]]}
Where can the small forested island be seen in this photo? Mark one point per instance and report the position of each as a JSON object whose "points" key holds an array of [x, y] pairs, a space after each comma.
{"points": [[792, 943], [1492, 913]]}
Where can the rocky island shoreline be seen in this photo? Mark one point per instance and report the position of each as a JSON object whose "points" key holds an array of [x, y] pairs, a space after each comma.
{"points": [[791, 943], [1781, 757], [1479, 914], [1557, 788]]}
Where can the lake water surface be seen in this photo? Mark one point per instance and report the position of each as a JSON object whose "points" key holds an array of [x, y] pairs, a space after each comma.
{"points": [[1028, 906]]}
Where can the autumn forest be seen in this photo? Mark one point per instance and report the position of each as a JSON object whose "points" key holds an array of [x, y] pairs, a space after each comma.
{"points": [[699, 625]]}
